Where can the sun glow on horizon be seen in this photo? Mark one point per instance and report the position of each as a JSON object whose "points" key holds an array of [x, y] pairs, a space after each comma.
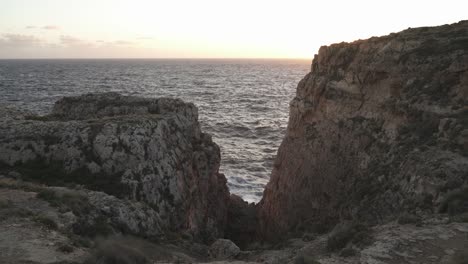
{"points": [[204, 28]]}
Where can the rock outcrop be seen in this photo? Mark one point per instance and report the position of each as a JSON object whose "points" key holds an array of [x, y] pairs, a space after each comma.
{"points": [[223, 249], [146, 150], [242, 221], [379, 127]]}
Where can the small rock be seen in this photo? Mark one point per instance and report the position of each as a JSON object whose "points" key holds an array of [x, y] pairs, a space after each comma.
{"points": [[223, 249]]}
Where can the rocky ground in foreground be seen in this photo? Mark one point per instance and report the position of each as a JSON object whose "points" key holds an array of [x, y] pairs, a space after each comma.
{"points": [[35, 227], [373, 169]]}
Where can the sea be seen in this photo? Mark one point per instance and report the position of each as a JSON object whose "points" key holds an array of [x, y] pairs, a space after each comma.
{"points": [[243, 103]]}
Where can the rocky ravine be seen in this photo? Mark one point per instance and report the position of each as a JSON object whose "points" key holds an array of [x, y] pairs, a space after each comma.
{"points": [[379, 127], [144, 150]]}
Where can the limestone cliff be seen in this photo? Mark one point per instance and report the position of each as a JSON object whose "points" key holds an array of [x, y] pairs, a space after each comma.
{"points": [[377, 128], [146, 150]]}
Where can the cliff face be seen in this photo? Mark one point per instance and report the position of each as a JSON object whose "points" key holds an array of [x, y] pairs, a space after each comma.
{"points": [[146, 150], [377, 128]]}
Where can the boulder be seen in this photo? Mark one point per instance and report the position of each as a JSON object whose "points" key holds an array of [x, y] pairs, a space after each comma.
{"points": [[223, 249]]}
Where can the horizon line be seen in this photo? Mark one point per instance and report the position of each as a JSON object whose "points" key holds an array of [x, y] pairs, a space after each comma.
{"points": [[154, 58]]}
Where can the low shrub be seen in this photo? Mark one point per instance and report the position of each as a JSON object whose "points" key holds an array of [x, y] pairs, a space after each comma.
{"points": [[348, 232], [38, 118], [93, 227], [348, 252], [455, 202], [79, 241], [46, 221], [8, 210], [305, 260], [321, 227], [4, 204], [407, 218], [461, 218], [308, 237], [66, 201], [20, 185], [48, 195], [117, 252], [65, 248], [459, 258]]}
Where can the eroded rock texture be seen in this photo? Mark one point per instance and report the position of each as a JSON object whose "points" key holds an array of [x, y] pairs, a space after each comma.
{"points": [[147, 150], [378, 127]]}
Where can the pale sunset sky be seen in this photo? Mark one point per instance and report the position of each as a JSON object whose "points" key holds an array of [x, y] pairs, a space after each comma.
{"points": [[205, 28]]}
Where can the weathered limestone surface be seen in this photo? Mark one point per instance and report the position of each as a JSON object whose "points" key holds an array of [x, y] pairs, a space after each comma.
{"points": [[147, 150], [377, 128]]}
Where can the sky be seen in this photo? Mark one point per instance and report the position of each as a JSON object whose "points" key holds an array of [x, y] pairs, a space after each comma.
{"points": [[205, 28]]}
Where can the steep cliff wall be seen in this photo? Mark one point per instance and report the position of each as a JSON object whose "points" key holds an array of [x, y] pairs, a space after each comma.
{"points": [[147, 150], [378, 127]]}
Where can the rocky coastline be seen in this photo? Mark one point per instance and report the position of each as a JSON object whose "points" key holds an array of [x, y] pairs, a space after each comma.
{"points": [[373, 169]]}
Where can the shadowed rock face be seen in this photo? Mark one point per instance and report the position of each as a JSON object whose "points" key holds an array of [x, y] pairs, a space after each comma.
{"points": [[148, 150], [378, 127]]}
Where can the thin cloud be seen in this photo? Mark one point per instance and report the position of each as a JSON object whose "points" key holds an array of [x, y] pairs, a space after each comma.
{"points": [[19, 40], [23, 46], [116, 43], [51, 27], [122, 43], [145, 38], [67, 40], [46, 27]]}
